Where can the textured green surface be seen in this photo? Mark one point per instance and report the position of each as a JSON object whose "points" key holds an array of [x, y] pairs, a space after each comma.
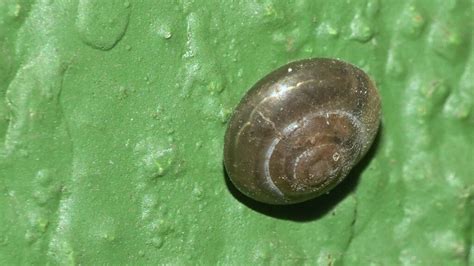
{"points": [[112, 119]]}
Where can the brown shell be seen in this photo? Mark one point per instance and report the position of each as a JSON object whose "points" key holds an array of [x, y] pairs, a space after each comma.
{"points": [[299, 131]]}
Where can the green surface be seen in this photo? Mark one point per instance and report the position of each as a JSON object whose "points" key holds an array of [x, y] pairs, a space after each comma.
{"points": [[112, 119]]}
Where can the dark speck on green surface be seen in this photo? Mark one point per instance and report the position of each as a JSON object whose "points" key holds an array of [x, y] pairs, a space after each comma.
{"points": [[112, 117]]}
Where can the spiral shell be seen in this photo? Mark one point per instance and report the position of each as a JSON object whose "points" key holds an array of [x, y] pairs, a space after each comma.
{"points": [[299, 131]]}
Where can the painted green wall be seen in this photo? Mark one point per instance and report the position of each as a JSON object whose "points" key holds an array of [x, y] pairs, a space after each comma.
{"points": [[112, 117]]}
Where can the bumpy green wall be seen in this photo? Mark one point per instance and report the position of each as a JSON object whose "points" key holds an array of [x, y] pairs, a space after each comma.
{"points": [[112, 117]]}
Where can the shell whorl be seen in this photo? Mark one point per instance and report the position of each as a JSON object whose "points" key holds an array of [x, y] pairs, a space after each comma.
{"points": [[299, 130]]}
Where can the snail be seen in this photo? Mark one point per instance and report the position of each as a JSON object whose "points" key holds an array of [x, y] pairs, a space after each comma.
{"points": [[299, 131]]}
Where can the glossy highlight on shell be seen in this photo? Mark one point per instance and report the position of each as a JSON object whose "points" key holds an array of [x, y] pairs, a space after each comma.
{"points": [[299, 131]]}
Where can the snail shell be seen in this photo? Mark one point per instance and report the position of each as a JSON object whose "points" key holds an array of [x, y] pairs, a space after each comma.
{"points": [[299, 131]]}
